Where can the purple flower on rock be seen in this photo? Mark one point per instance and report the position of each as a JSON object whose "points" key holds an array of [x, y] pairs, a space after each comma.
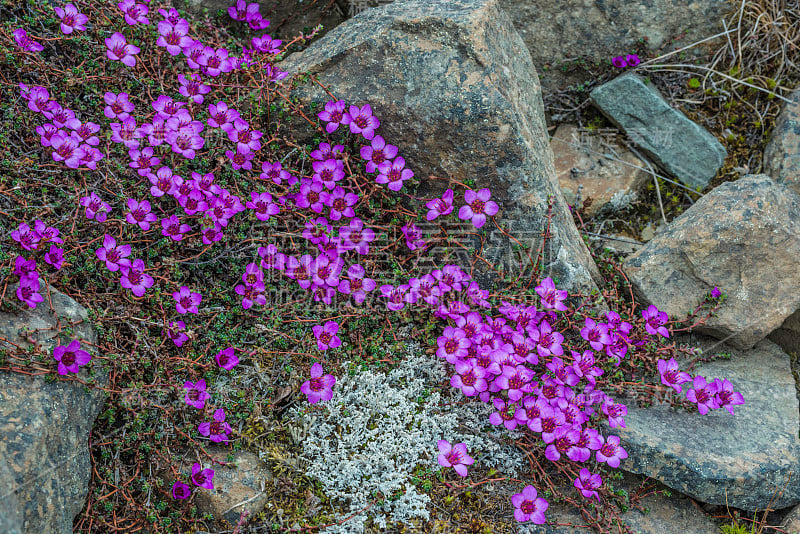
{"points": [[393, 173], [716, 293], [703, 394], [611, 452], [587, 483], [23, 267], [726, 397], [478, 207], [361, 121], [226, 359], [655, 321], [551, 298], [181, 491], [114, 256], [440, 206], [202, 477], [619, 62], [319, 388], [120, 50], [216, 430], [326, 335], [632, 60], [671, 375], [135, 279], [71, 18], [529, 507], [71, 357], [187, 301], [454, 456], [196, 394], [28, 290], [333, 115], [378, 153]]}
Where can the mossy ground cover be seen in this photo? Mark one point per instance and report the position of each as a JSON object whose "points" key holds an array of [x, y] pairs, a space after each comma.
{"points": [[138, 440]]}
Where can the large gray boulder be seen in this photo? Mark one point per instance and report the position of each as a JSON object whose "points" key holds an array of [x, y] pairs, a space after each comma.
{"points": [[743, 237], [45, 426], [749, 460], [456, 91]]}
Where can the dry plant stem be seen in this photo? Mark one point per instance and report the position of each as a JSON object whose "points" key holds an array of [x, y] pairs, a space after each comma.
{"points": [[655, 180]]}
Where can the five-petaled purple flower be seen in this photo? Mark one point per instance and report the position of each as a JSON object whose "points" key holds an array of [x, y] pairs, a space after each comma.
{"points": [[333, 115], [71, 18], [478, 207], [28, 290], [226, 359], [187, 301], [529, 507], [71, 357], [704, 394], [454, 456], [134, 277], [587, 483], [196, 394], [361, 121], [202, 477], [671, 375], [114, 256], [440, 206], [140, 214], [120, 50], [655, 321], [319, 388], [181, 491], [216, 430], [326, 335]]}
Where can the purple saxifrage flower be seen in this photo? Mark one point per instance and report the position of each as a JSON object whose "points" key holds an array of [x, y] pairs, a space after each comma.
{"points": [[632, 60], [226, 359], [611, 452], [361, 121], [378, 153], [216, 430], [655, 321], [71, 18], [140, 214], [176, 332], [134, 13], [726, 397], [587, 484], [671, 375], [70, 357], [529, 506], [95, 207], [114, 256], [393, 173], [478, 207], [619, 62], [333, 115], [440, 206], [703, 394], [27, 237], [326, 335], [319, 388], [196, 394], [120, 50], [28, 290], [469, 377], [186, 301], [454, 456], [551, 298], [25, 42], [134, 277], [181, 491], [716, 293], [172, 227], [596, 334], [202, 477]]}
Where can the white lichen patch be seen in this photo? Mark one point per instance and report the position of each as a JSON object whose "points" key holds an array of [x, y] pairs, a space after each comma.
{"points": [[378, 428]]}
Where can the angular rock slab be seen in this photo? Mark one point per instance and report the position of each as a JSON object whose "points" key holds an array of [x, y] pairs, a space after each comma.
{"points": [[683, 148], [749, 456], [600, 30], [237, 487], [581, 164], [782, 153], [743, 237], [454, 88], [44, 427]]}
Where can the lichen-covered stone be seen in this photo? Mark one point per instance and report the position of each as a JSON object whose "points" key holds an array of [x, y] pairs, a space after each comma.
{"points": [[683, 148], [581, 165], [782, 153], [455, 90], [743, 237], [9, 507], [45, 426], [743, 460]]}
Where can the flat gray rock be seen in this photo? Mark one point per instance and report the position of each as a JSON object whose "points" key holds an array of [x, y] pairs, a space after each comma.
{"points": [[748, 457], [743, 237], [455, 89], [45, 426], [683, 148]]}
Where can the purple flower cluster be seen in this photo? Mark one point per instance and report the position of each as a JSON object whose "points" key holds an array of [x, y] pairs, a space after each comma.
{"points": [[34, 240]]}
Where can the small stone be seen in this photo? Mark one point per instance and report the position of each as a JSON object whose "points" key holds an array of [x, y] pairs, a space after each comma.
{"points": [[584, 171], [683, 148]]}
